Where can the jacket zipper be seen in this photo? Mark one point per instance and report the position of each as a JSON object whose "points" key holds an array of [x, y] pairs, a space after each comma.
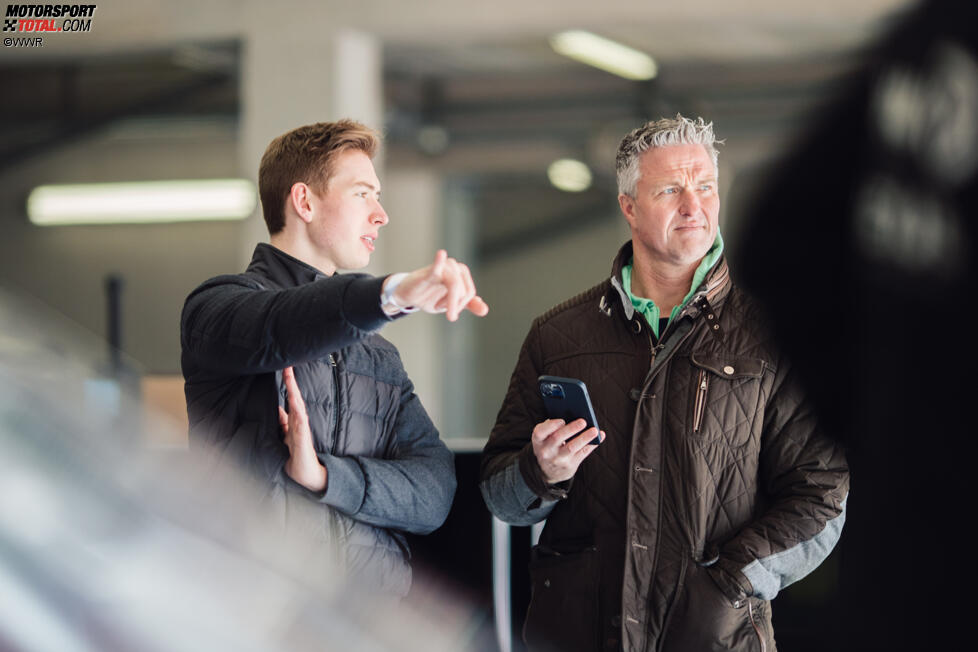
{"points": [[757, 629], [654, 349], [700, 404], [335, 412]]}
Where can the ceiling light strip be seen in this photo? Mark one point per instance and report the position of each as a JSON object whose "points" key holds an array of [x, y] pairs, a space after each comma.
{"points": [[142, 202], [605, 54]]}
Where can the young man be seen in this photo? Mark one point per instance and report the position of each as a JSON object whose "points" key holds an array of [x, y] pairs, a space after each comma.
{"points": [[360, 461], [713, 487]]}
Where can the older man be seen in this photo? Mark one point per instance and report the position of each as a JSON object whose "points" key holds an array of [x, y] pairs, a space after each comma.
{"points": [[713, 487]]}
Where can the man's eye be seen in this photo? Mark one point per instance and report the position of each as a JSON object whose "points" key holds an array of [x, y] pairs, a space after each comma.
{"points": [[706, 186], [668, 191]]}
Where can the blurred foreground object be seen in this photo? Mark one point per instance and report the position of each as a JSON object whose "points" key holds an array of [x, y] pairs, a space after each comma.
{"points": [[106, 544], [863, 247]]}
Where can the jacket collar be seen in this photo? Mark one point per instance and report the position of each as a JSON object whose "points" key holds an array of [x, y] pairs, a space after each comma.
{"points": [[714, 287], [279, 267], [624, 255]]}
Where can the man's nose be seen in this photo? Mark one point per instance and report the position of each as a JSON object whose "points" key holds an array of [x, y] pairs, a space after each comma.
{"points": [[689, 202], [379, 215]]}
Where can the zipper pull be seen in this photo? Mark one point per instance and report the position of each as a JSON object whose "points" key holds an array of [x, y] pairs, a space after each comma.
{"points": [[700, 402], [332, 360]]}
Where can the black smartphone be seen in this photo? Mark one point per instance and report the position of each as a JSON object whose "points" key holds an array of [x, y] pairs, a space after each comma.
{"points": [[567, 399]]}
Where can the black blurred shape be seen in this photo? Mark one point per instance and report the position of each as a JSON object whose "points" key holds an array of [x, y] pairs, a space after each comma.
{"points": [[863, 248], [113, 298], [457, 558]]}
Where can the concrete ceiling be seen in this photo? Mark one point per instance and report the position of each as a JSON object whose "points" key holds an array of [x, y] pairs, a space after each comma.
{"points": [[704, 29], [478, 69], [471, 89]]}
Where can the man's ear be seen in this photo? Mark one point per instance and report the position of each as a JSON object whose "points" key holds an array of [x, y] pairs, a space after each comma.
{"points": [[627, 204], [300, 196]]}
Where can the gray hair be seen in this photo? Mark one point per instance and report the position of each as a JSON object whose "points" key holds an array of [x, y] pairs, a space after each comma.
{"points": [[661, 133]]}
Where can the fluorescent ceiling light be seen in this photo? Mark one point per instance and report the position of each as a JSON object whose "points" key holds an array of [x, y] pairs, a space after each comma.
{"points": [[569, 175], [606, 54], [142, 202]]}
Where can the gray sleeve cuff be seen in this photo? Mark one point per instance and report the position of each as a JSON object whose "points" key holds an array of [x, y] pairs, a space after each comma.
{"points": [[511, 500], [769, 575], [345, 484]]}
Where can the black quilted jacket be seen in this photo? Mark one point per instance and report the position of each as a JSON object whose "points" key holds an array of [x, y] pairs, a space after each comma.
{"points": [[713, 490], [388, 470]]}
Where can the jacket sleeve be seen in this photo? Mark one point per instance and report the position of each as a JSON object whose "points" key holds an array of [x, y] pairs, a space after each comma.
{"points": [[511, 480], [806, 477], [231, 325], [411, 490]]}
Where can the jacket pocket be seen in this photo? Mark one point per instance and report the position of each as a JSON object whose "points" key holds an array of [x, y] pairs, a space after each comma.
{"points": [[724, 397], [703, 618], [563, 611]]}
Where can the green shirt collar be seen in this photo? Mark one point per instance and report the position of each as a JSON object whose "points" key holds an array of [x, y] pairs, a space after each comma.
{"points": [[648, 308]]}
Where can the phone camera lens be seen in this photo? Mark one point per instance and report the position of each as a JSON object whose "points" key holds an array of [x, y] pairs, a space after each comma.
{"points": [[555, 391]]}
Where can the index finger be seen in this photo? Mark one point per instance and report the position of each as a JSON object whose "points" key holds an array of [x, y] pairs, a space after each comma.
{"points": [[582, 439], [478, 307], [563, 434], [546, 428], [296, 405], [283, 420]]}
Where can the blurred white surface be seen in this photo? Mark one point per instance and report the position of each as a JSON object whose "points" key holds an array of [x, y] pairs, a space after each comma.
{"points": [[107, 544]]}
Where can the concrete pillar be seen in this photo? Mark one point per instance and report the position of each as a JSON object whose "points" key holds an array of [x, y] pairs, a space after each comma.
{"points": [[413, 200], [460, 364], [296, 73]]}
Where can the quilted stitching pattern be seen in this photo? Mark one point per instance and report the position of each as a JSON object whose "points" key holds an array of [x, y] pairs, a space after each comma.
{"points": [[698, 489], [610, 367]]}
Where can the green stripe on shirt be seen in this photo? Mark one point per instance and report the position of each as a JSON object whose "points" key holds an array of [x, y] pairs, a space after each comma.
{"points": [[648, 308]]}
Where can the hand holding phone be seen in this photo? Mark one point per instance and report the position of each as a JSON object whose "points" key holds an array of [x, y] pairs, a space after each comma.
{"points": [[567, 399], [556, 444]]}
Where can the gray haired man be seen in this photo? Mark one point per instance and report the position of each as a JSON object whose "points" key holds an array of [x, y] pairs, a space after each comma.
{"points": [[713, 487]]}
